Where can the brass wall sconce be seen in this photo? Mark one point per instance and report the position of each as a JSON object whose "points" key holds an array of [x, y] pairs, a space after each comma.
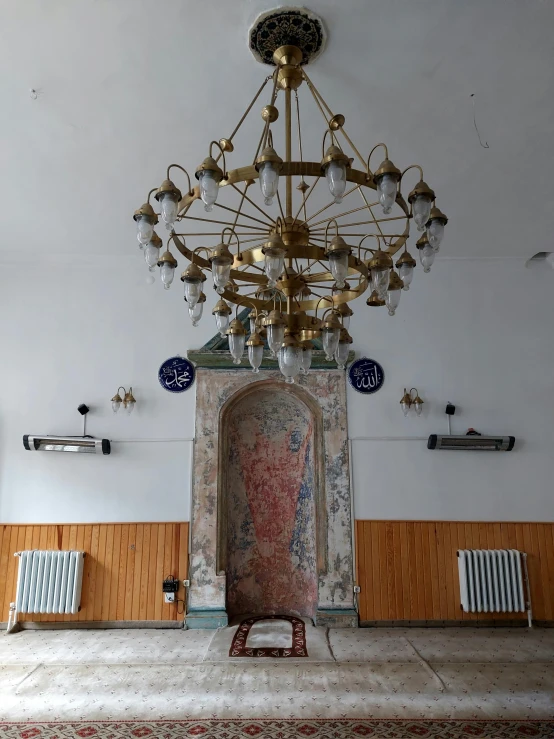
{"points": [[409, 400], [128, 400]]}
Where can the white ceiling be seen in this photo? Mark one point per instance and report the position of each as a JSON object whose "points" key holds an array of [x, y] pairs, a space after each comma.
{"points": [[126, 87]]}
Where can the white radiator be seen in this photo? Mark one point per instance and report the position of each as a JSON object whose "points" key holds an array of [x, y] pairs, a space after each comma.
{"points": [[492, 581], [49, 582]]}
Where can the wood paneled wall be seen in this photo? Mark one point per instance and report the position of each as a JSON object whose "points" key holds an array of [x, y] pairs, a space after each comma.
{"points": [[408, 570], [123, 570]]}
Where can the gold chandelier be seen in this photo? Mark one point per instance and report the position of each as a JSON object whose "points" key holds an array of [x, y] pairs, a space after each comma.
{"points": [[296, 270]]}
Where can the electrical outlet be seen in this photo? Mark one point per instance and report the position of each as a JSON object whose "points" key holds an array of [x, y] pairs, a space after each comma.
{"points": [[186, 583], [357, 589], [169, 597]]}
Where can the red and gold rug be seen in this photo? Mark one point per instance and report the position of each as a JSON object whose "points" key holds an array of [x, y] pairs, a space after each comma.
{"points": [[282, 729]]}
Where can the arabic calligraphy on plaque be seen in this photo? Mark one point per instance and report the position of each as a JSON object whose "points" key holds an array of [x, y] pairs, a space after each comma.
{"points": [[176, 374], [366, 376]]}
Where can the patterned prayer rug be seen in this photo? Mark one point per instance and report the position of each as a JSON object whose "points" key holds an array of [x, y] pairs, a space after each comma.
{"points": [[282, 729], [239, 647]]}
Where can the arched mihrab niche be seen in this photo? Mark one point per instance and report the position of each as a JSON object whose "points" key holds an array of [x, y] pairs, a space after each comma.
{"points": [[270, 498]]}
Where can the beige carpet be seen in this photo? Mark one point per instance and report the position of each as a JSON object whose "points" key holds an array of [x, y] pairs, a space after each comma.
{"points": [[393, 673]]}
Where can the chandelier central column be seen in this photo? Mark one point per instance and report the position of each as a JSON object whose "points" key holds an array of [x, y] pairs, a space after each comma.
{"points": [[288, 149]]}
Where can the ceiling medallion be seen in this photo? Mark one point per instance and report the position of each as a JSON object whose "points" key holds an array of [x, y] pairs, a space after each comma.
{"points": [[296, 267], [284, 27]]}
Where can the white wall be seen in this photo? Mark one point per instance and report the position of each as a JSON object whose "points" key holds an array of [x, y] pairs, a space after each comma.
{"points": [[476, 333]]}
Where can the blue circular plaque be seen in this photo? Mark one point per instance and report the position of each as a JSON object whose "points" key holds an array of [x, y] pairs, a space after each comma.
{"points": [[366, 376], [176, 374]]}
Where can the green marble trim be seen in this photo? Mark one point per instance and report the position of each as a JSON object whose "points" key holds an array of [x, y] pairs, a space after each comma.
{"points": [[206, 619]]}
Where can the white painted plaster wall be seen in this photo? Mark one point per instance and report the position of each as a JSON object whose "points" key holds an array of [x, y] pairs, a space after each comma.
{"points": [[476, 333]]}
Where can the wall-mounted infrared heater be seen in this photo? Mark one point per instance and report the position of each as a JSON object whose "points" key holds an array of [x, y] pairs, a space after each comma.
{"points": [[80, 444], [472, 443]]}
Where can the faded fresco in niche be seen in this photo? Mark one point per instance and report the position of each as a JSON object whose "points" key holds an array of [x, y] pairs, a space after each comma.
{"points": [[270, 480]]}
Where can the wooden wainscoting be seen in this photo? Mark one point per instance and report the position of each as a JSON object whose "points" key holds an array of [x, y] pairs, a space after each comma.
{"points": [[408, 570], [123, 570]]}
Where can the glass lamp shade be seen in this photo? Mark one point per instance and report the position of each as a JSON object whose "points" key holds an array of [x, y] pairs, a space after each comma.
{"points": [[169, 208], [405, 407], [435, 232], [195, 313], [269, 181], [220, 271], [222, 323], [151, 256], [275, 336], [427, 257], [252, 323], [290, 361], [335, 172], [380, 282], [341, 354], [406, 274], [338, 266], [145, 229], [209, 189], [129, 407], [255, 356], [346, 322], [236, 346], [392, 300], [330, 340], [421, 209], [274, 265], [192, 292], [418, 407], [116, 405], [386, 189], [167, 272], [306, 359]]}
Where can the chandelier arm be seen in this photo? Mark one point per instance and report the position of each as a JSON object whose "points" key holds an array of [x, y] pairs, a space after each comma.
{"points": [[365, 199], [245, 215], [299, 135], [412, 166], [154, 189], [233, 233], [178, 166], [312, 89], [199, 233], [317, 95], [305, 200], [331, 220], [288, 151], [223, 223], [280, 206], [371, 152], [262, 211], [248, 241], [274, 92], [239, 124], [331, 203], [367, 236], [339, 215], [324, 297], [240, 208], [306, 268], [216, 143], [327, 132]]}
